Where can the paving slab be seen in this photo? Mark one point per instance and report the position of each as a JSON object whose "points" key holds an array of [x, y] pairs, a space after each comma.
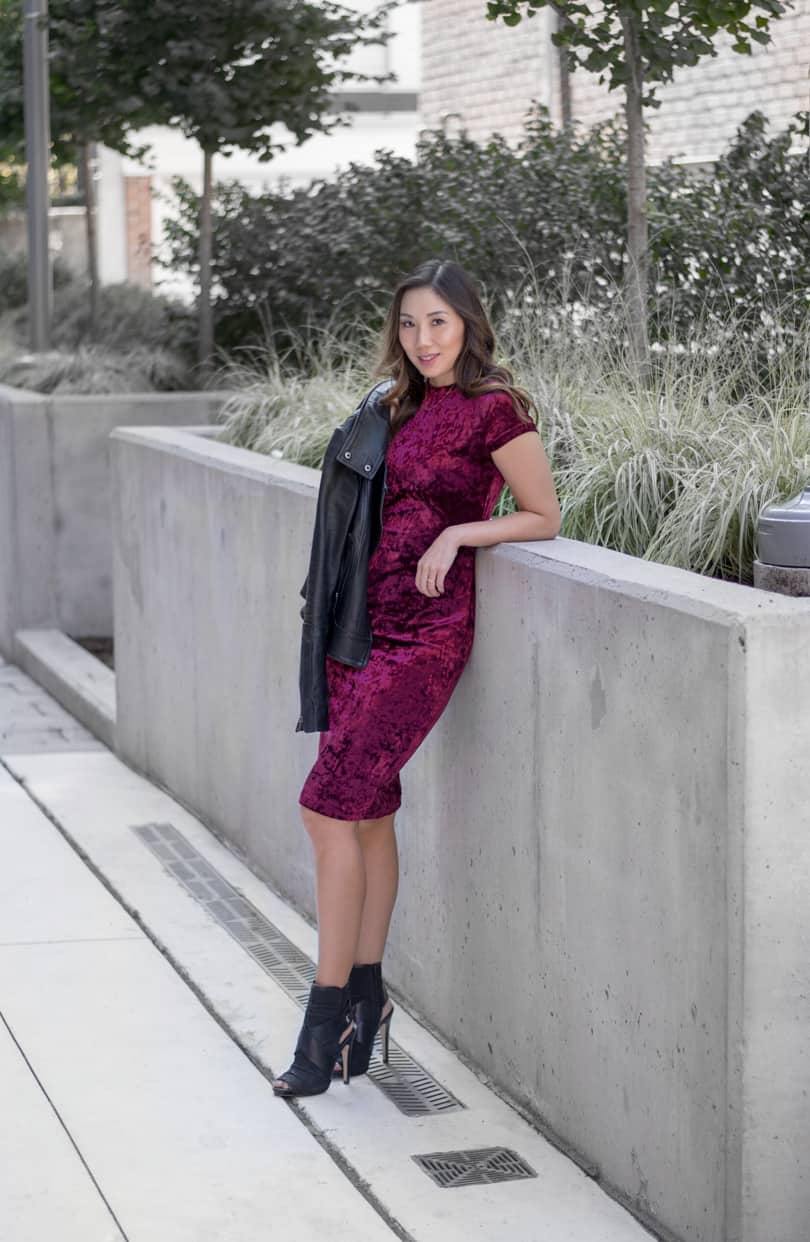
{"points": [[175, 1126], [98, 803], [47, 1192], [31, 720], [84, 685]]}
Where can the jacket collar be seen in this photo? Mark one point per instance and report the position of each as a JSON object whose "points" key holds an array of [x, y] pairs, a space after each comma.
{"points": [[366, 442]]}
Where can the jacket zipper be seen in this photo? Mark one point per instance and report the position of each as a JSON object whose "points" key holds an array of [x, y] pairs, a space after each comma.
{"points": [[358, 541]]}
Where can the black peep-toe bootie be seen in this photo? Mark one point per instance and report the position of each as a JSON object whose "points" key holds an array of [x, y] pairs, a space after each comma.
{"points": [[327, 1033], [372, 1009]]}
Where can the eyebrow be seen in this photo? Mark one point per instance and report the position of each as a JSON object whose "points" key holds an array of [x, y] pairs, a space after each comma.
{"points": [[408, 315]]}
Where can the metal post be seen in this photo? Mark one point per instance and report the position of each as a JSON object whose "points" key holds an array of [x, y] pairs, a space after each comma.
{"points": [[37, 153]]}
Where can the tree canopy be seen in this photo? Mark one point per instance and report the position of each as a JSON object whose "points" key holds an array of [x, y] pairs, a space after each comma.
{"points": [[668, 34]]}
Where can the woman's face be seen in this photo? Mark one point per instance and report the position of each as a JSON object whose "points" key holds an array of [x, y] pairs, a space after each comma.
{"points": [[431, 334]]}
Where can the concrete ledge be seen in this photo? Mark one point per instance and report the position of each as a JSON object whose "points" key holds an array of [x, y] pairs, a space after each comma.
{"points": [[55, 503], [604, 842], [82, 684]]}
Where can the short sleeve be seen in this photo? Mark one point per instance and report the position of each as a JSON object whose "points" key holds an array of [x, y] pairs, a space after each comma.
{"points": [[502, 422]]}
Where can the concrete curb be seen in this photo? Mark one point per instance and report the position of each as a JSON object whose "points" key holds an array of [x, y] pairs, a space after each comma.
{"points": [[77, 680]]}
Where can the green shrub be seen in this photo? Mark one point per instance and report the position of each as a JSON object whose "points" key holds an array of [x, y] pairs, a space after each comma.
{"points": [[272, 408], [14, 279], [144, 342], [127, 315], [675, 469], [722, 245], [95, 369]]}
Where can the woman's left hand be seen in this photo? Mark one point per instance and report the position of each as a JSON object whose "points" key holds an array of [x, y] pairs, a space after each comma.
{"points": [[435, 562]]}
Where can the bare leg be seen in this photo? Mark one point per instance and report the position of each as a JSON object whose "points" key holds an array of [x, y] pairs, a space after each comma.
{"points": [[378, 844], [340, 893]]}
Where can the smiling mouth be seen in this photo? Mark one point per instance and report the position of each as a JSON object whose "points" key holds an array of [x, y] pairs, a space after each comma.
{"points": [[426, 357]]}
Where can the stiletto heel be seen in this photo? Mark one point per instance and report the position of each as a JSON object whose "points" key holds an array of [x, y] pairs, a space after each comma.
{"points": [[385, 1027], [328, 1031]]}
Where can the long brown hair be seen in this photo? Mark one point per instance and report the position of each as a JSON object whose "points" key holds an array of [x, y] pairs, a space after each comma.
{"points": [[476, 371]]}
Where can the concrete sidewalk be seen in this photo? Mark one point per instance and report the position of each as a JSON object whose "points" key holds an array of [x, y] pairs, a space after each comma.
{"points": [[151, 985]]}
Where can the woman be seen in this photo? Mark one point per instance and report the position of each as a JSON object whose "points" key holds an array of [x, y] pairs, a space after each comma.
{"points": [[459, 429]]}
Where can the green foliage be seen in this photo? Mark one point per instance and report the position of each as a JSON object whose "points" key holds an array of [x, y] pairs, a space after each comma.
{"points": [[663, 35], [225, 77], [678, 471], [14, 279], [12, 188], [730, 243], [11, 77], [739, 235], [277, 408], [88, 92], [675, 469], [220, 75], [95, 369], [336, 247], [144, 342], [289, 416], [128, 315]]}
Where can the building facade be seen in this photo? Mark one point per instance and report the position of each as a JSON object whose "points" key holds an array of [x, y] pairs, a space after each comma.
{"points": [[483, 75]]}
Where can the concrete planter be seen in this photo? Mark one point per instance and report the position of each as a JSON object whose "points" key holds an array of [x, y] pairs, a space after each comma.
{"points": [[55, 553], [605, 843]]}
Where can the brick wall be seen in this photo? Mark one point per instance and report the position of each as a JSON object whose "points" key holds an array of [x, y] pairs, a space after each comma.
{"points": [[483, 70], [138, 198], [489, 73]]}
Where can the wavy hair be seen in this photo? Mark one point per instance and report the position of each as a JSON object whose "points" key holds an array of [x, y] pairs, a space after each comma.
{"points": [[476, 371]]}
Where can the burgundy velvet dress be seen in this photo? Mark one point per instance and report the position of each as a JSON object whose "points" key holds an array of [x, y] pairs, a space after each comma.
{"points": [[439, 473]]}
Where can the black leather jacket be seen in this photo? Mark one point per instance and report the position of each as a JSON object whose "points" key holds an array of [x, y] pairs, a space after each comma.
{"points": [[348, 525]]}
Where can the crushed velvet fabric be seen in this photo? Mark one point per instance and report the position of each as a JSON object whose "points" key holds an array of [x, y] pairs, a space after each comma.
{"points": [[439, 473]]}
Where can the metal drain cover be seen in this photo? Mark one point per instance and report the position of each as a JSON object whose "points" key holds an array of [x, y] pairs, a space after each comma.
{"points": [[471, 1168], [406, 1083]]}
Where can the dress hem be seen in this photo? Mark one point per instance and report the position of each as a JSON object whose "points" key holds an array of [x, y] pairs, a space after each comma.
{"points": [[374, 812]]}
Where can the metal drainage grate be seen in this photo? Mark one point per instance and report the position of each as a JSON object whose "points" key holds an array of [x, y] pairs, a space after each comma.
{"points": [[405, 1082], [471, 1168]]}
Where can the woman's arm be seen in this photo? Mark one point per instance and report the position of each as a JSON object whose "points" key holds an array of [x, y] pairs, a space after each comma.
{"points": [[525, 468]]}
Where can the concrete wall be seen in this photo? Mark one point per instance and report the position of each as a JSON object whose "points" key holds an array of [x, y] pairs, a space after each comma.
{"points": [[605, 845], [55, 546], [488, 73]]}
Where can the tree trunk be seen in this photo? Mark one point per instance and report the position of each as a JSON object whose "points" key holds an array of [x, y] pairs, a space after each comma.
{"points": [[636, 277], [206, 325], [565, 73], [87, 159]]}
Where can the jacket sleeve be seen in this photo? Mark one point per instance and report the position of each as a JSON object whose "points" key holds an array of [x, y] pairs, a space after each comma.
{"points": [[337, 497], [337, 440]]}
